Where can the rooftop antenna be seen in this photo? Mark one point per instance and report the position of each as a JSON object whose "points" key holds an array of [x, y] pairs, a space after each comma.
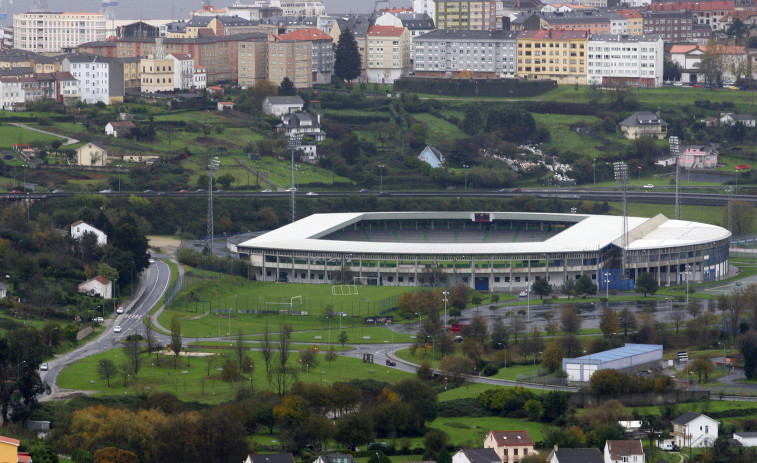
{"points": [[675, 151], [212, 168], [621, 177]]}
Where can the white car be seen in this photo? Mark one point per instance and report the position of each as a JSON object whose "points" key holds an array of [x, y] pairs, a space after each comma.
{"points": [[99, 320], [290, 189], [523, 294], [648, 185], [43, 367], [266, 191], [117, 329], [311, 193], [120, 310], [106, 191]]}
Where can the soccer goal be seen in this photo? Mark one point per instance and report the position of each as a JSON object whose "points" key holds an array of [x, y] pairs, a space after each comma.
{"points": [[297, 299], [343, 290]]}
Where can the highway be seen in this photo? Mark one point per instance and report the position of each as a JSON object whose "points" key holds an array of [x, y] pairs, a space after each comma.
{"points": [[153, 285]]}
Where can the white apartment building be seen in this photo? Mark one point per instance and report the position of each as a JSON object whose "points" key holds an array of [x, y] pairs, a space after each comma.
{"points": [[388, 53], [11, 93], [302, 8], [417, 23], [481, 53], [183, 70], [45, 32], [92, 73], [628, 59], [200, 77]]}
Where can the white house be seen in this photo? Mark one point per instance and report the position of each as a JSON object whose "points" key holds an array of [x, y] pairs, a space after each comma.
{"points": [[200, 77], [98, 285], [733, 119], [92, 73], [183, 70], [335, 458], [624, 451], [476, 456], [11, 93], [698, 157], [280, 105], [694, 430], [432, 156], [309, 152], [119, 128], [747, 439], [92, 154], [302, 123], [79, 228], [3, 291], [510, 446]]}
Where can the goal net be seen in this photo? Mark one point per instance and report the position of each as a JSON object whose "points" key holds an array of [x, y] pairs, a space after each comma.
{"points": [[344, 290]]}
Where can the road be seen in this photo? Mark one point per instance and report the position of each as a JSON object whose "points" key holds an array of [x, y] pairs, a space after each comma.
{"points": [[69, 141], [153, 284]]}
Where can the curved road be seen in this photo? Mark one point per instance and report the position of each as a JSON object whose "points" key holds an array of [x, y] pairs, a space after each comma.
{"points": [[153, 284]]}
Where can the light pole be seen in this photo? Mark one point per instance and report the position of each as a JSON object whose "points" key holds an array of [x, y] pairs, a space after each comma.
{"points": [[445, 294], [688, 273], [639, 187], [465, 166], [50, 338], [535, 354], [381, 185], [607, 287], [505, 349], [594, 166], [528, 303]]}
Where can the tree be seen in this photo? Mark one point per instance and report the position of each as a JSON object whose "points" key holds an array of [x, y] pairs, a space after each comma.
{"points": [[176, 342], [585, 286], [226, 180], [671, 70], [286, 88], [552, 357], [702, 367], [347, 62], [151, 344], [570, 319], [115, 455], [457, 367], [283, 374], [266, 349], [354, 429], [609, 322], [606, 382], [473, 122], [343, 338], [678, 315], [742, 217], [541, 288], [627, 320], [646, 283], [712, 63], [435, 440], [131, 350]]}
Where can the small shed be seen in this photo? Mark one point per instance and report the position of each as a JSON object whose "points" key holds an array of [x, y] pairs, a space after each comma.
{"points": [[225, 105]]}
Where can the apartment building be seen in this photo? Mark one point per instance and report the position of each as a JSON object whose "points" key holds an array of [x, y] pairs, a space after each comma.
{"points": [[302, 8], [481, 53], [388, 53], [417, 24], [92, 73], [323, 52], [15, 91], [48, 32], [672, 26], [12, 92], [634, 21], [131, 74], [548, 54], [596, 22], [280, 25], [183, 70], [252, 61], [625, 59], [156, 74], [293, 59], [358, 24], [708, 13], [481, 15]]}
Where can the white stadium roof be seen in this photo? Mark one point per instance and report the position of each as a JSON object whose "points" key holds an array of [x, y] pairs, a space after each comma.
{"points": [[589, 233]]}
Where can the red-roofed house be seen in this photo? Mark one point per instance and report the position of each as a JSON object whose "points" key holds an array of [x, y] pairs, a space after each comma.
{"points": [[624, 451], [748, 18], [9, 449], [387, 53], [119, 129], [510, 446], [323, 51], [689, 58], [98, 285], [535, 63]]}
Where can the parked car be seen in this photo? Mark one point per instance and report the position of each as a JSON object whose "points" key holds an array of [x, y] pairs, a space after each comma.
{"points": [[58, 191], [43, 367], [522, 294], [364, 190], [98, 320], [117, 329], [291, 189], [515, 190], [183, 191], [148, 191], [266, 191], [697, 85], [391, 363], [120, 310], [648, 185], [106, 191], [311, 193]]}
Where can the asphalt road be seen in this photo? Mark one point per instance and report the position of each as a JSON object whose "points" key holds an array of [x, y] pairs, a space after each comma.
{"points": [[153, 283]]}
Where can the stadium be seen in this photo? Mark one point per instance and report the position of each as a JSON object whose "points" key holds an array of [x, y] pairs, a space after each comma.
{"points": [[488, 251]]}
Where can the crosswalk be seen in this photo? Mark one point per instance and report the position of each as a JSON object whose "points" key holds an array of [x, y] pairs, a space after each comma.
{"points": [[132, 316]]}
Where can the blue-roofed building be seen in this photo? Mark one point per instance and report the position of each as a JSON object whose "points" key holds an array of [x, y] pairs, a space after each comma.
{"points": [[630, 358]]}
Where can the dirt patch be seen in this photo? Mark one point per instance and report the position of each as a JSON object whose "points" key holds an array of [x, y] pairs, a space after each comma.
{"points": [[166, 244]]}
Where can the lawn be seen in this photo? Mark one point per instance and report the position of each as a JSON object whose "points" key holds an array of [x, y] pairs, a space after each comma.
{"points": [[9, 135], [192, 383], [279, 172], [470, 432], [563, 138], [439, 128]]}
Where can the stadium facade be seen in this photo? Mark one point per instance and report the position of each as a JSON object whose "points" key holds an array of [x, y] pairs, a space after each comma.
{"points": [[489, 251]]}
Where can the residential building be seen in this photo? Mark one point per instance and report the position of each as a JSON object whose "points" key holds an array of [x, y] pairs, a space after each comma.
{"points": [[746, 438], [131, 74], [417, 24], [559, 455], [98, 285], [644, 124], [92, 154], [279, 25], [476, 15], [12, 95], [335, 458], [79, 228], [302, 123], [93, 75], [480, 53], [9, 449], [698, 157], [733, 119], [388, 53], [510, 446], [634, 21], [527, 21], [424, 7], [635, 60], [48, 32], [558, 55], [292, 59], [252, 61], [208, 10], [433, 157], [253, 12], [322, 53], [476, 456], [747, 17], [225, 105], [358, 25], [672, 26], [280, 105], [183, 70], [564, 8], [270, 458], [138, 29], [302, 8], [708, 13], [68, 88], [3, 295], [119, 129], [689, 57], [200, 77], [624, 451], [156, 74], [596, 22], [694, 430]]}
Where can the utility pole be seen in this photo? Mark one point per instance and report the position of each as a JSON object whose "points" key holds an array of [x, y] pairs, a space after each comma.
{"points": [[212, 168], [294, 140]]}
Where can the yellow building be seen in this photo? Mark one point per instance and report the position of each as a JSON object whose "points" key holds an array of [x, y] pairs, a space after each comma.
{"points": [[635, 21], [293, 59], [388, 53], [156, 74], [252, 61], [9, 449], [92, 154], [550, 54]]}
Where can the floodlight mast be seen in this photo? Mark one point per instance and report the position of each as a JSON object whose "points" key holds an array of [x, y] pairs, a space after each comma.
{"points": [[212, 168], [294, 140]]}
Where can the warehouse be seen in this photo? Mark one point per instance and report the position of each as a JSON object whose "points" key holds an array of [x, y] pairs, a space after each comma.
{"points": [[630, 358]]}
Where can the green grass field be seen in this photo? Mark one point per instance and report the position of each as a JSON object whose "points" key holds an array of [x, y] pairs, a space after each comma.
{"points": [[9, 135], [439, 128], [470, 432], [197, 385]]}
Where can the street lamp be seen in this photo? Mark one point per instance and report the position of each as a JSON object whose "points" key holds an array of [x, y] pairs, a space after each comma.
{"points": [[465, 166], [50, 338], [607, 287], [535, 354], [688, 273], [505, 349], [594, 166], [419, 320], [528, 303], [381, 185], [445, 294], [639, 187]]}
